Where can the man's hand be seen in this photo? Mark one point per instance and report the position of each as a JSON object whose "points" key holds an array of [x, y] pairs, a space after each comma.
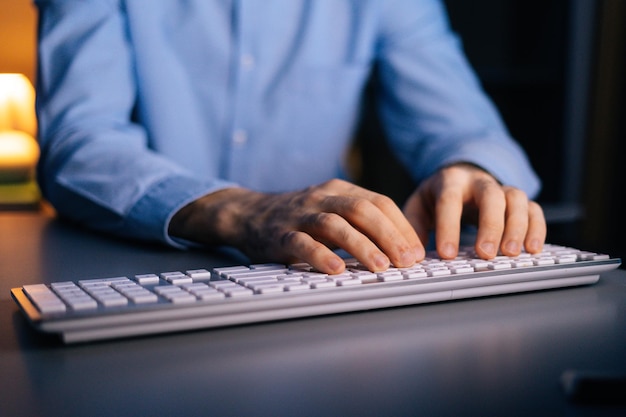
{"points": [[304, 226], [507, 220], [307, 225]]}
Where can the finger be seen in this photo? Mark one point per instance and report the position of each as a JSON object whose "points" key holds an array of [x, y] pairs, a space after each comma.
{"points": [[382, 221], [397, 219], [419, 216], [491, 204], [537, 229], [516, 222], [335, 230], [302, 246], [449, 208]]}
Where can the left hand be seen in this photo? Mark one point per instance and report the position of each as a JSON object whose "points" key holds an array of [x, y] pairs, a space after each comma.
{"points": [[507, 220]]}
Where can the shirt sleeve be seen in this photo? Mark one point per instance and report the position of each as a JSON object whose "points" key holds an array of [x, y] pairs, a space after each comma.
{"points": [[432, 105], [96, 167]]}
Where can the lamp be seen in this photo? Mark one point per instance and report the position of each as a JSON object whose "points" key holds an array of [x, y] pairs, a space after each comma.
{"points": [[19, 150], [17, 104]]}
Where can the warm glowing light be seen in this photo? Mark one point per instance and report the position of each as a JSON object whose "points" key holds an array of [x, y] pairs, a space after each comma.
{"points": [[18, 156], [17, 104], [19, 151]]}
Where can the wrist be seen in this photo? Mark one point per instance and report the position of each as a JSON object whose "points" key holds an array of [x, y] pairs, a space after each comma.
{"points": [[213, 219]]}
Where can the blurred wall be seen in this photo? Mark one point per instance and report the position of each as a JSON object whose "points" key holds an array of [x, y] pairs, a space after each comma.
{"points": [[17, 37]]}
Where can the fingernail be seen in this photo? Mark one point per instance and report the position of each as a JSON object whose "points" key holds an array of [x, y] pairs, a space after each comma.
{"points": [[512, 247], [534, 246], [381, 261], [407, 258], [489, 248], [448, 250], [335, 264]]}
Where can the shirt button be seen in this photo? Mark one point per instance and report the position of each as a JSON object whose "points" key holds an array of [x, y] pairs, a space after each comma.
{"points": [[247, 61], [240, 137]]}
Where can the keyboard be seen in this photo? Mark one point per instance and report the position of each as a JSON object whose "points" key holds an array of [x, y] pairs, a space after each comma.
{"points": [[173, 301]]}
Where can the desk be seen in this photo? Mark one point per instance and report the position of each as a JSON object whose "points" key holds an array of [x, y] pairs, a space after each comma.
{"points": [[493, 356]]}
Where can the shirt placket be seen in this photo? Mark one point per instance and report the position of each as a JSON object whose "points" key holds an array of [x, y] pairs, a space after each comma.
{"points": [[244, 66]]}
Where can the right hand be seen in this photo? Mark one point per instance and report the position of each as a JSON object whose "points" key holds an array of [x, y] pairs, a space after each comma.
{"points": [[304, 226]]}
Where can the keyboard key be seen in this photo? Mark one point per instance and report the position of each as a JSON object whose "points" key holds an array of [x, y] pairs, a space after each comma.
{"points": [[147, 279], [365, 276], [415, 274], [390, 276], [462, 269], [268, 288], [220, 285], [340, 277], [522, 263], [349, 282], [322, 284], [112, 301], [45, 299], [268, 267], [176, 278], [144, 297], [223, 271], [199, 274], [237, 292], [543, 261], [565, 259], [297, 287], [438, 272], [495, 266]]}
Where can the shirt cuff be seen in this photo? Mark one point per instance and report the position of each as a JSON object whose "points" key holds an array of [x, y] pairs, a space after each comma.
{"points": [[150, 217]]}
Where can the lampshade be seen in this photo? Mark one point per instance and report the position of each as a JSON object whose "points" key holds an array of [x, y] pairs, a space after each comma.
{"points": [[17, 104]]}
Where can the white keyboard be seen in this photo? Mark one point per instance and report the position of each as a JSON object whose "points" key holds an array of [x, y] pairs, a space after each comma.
{"points": [[97, 309]]}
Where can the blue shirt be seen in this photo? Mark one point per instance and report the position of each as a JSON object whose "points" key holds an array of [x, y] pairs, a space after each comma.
{"points": [[146, 105]]}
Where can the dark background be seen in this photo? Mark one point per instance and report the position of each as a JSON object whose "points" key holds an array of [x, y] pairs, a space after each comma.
{"points": [[554, 68]]}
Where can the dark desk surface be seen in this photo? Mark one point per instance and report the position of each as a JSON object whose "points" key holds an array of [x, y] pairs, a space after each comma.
{"points": [[493, 356]]}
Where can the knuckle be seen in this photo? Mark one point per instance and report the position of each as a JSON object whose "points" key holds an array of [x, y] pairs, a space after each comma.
{"points": [[290, 239], [516, 195], [535, 208], [449, 196], [488, 184], [314, 197], [359, 206], [385, 203], [323, 220], [334, 184]]}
